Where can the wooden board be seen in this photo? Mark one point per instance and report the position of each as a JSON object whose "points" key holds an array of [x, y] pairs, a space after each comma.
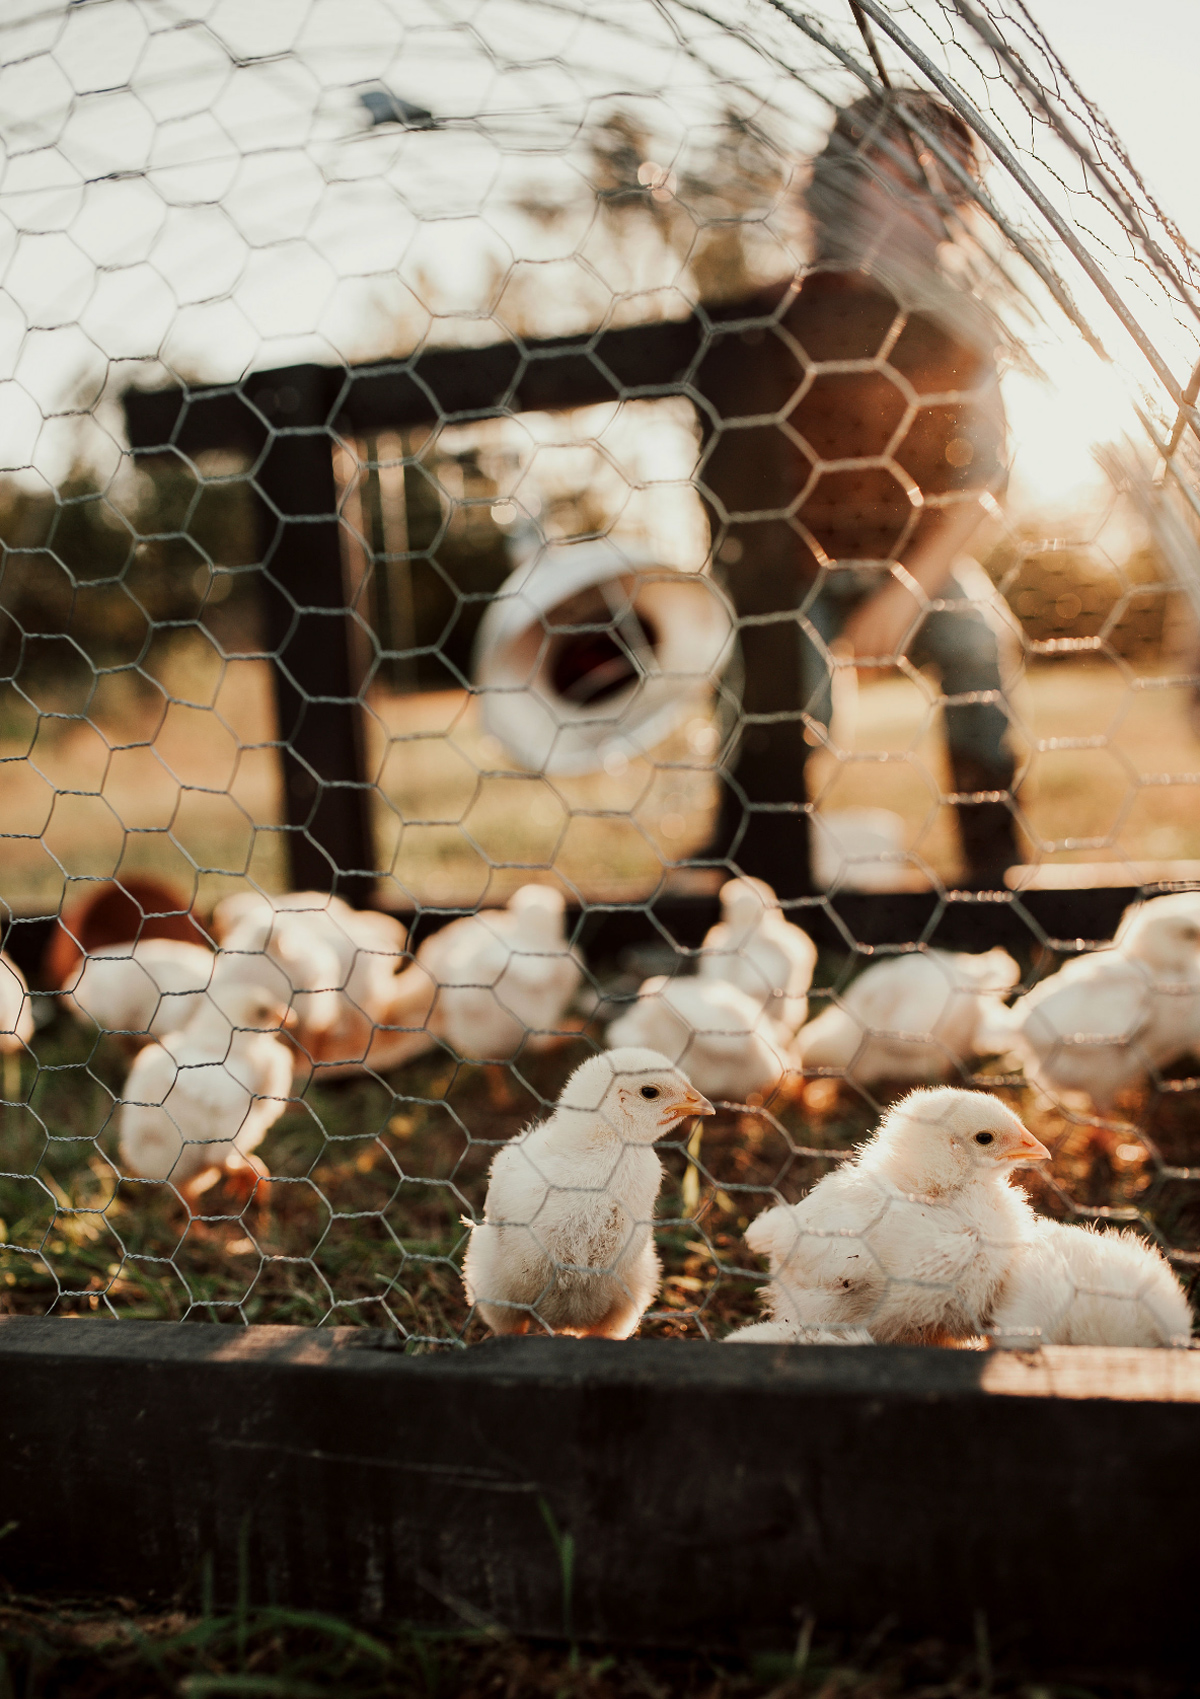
{"points": [[713, 1493]]}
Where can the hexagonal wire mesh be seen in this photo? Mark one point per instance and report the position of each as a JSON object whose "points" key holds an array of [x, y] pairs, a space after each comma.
{"points": [[458, 448]]}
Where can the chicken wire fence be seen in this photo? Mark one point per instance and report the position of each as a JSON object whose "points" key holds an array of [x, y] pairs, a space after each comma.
{"points": [[455, 457]]}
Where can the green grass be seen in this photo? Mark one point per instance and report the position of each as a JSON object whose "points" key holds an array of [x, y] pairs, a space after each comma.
{"points": [[363, 1224], [106, 1649]]}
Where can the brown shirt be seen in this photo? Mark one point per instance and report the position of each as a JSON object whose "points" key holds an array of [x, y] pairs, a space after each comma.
{"points": [[846, 419]]}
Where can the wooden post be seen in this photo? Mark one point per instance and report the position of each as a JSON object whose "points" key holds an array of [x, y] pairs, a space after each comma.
{"points": [[748, 479], [311, 636]]}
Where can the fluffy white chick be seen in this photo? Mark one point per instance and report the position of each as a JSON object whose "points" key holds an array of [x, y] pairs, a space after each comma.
{"points": [[16, 1024], [380, 1003], [755, 948], [139, 990], [1076, 1286], [371, 949], [504, 977], [717, 1034], [566, 1244], [912, 1238], [197, 1105], [1105, 1020], [916, 1017], [279, 951]]}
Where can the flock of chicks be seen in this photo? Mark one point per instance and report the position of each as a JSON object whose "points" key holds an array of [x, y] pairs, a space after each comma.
{"points": [[919, 1237], [223, 1039]]}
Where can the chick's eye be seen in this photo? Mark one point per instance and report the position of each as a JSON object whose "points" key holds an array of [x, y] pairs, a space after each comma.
{"points": [[984, 1138], [650, 1091]]}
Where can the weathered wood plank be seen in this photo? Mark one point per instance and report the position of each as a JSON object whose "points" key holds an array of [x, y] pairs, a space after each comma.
{"points": [[713, 1492]]}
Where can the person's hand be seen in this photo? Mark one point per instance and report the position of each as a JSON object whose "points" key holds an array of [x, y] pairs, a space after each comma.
{"points": [[879, 629]]}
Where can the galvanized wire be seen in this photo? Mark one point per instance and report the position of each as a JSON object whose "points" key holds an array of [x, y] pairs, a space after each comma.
{"points": [[190, 205]]}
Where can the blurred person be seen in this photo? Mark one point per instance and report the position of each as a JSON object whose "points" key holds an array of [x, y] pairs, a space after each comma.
{"points": [[844, 514]]}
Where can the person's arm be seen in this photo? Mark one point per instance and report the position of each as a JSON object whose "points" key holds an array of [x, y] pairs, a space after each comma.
{"points": [[877, 629]]}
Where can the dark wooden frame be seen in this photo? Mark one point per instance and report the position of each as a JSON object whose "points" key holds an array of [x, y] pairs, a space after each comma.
{"points": [[287, 421], [714, 1493]]}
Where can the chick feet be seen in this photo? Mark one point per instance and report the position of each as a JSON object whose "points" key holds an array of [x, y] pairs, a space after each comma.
{"points": [[499, 1090], [249, 1179], [194, 1189], [246, 1177]]}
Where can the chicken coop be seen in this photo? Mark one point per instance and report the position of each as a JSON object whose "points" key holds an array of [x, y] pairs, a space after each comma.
{"points": [[506, 484]]}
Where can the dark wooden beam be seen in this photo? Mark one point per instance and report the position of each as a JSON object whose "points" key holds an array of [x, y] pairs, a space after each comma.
{"points": [[432, 385], [735, 370], [724, 362], [714, 1494]]}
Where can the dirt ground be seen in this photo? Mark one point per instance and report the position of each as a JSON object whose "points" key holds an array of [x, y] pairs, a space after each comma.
{"points": [[180, 779], [108, 1649]]}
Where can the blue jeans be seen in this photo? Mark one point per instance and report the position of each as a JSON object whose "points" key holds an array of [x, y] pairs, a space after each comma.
{"points": [[959, 642]]}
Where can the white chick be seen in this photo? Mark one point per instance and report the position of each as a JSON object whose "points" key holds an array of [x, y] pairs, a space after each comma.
{"points": [[566, 1244], [371, 948], [915, 1017], [1075, 1286], [504, 977], [912, 1238], [139, 990], [199, 1103], [380, 1006], [716, 1033], [16, 1024], [283, 954], [1105, 1020], [753, 947]]}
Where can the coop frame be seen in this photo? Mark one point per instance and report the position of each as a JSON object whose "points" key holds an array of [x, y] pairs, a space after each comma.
{"points": [[288, 420]]}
